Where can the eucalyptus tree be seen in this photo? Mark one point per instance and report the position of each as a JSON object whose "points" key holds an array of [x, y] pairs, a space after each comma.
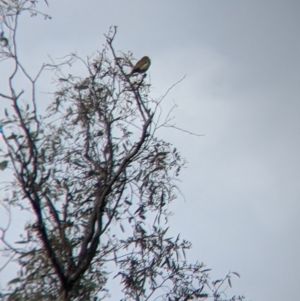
{"points": [[97, 180]]}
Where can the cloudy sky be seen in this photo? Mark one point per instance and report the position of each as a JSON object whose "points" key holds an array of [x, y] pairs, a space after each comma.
{"points": [[241, 62]]}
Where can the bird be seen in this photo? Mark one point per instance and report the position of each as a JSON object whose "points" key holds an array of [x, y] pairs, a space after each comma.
{"points": [[141, 66]]}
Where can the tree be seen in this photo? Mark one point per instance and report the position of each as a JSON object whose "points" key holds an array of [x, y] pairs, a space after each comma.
{"points": [[98, 182]]}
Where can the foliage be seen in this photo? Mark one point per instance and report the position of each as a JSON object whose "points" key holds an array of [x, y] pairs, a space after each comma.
{"points": [[98, 181]]}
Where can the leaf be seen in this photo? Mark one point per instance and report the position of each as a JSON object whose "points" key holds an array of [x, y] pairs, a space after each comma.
{"points": [[200, 290], [81, 87], [237, 274], [168, 262], [207, 270], [99, 133], [202, 295], [177, 254], [229, 281], [138, 210], [115, 257], [165, 231], [15, 280], [3, 164], [216, 282], [184, 254], [128, 203], [78, 163], [12, 136]]}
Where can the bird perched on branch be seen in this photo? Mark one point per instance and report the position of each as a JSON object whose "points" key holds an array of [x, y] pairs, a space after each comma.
{"points": [[141, 66]]}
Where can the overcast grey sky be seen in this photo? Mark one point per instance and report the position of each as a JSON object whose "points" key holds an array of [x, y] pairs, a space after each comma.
{"points": [[241, 60]]}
